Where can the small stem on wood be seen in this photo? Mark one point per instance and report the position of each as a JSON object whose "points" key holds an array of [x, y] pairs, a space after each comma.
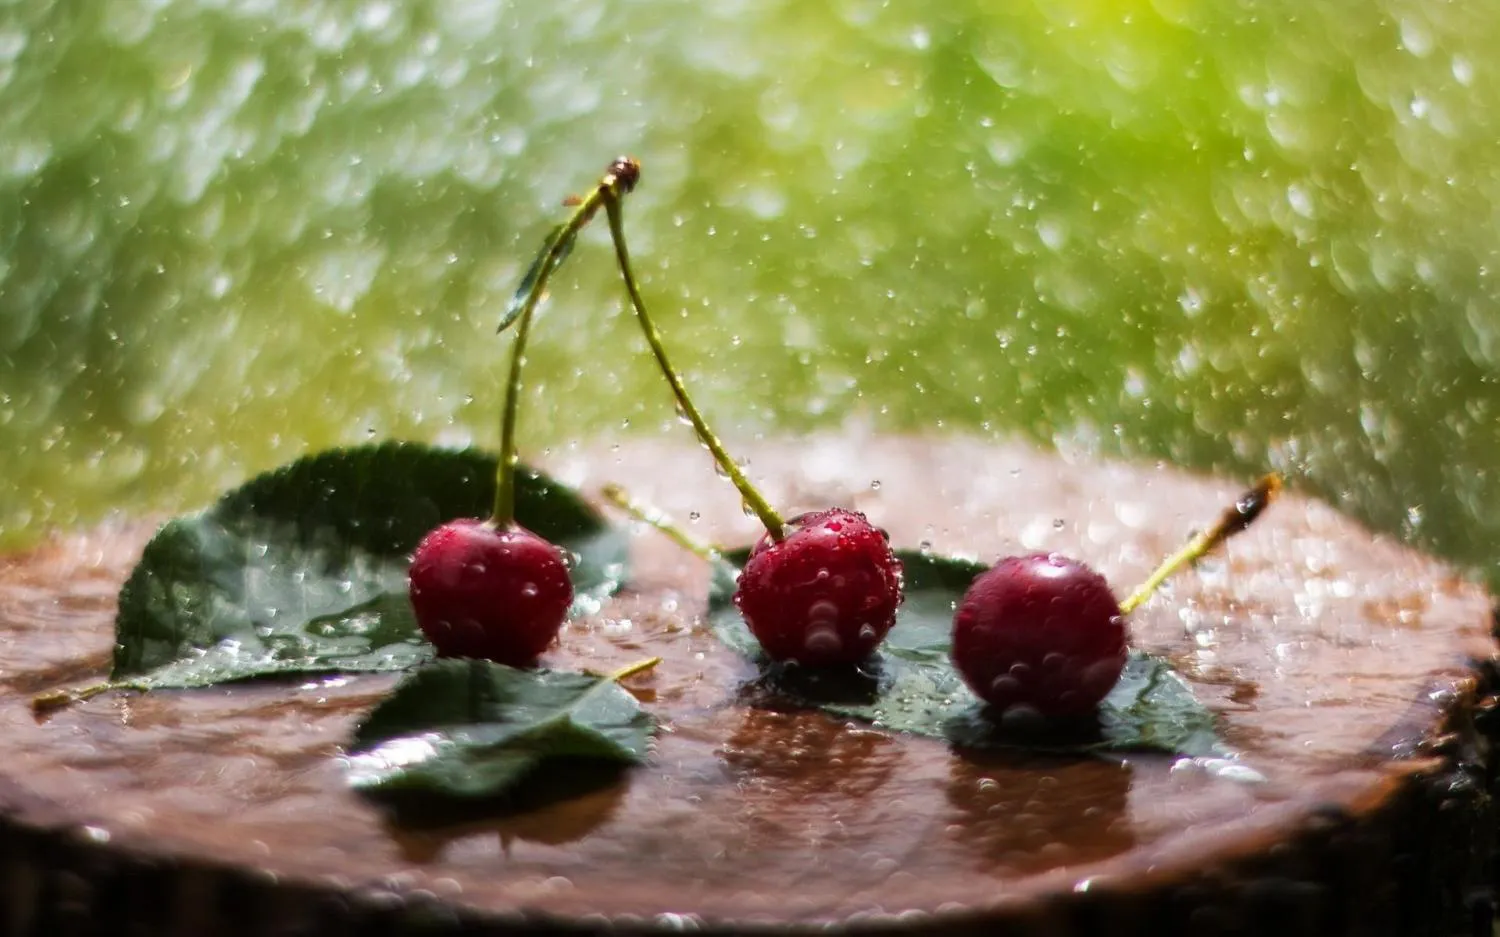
{"points": [[1244, 512], [640, 666], [58, 699], [617, 496]]}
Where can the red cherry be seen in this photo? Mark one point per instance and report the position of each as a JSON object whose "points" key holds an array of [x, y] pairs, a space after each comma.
{"points": [[487, 592], [826, 594], [1041, 631]]}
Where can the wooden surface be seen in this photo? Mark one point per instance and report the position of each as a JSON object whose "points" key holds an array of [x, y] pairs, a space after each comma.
{"points": [[1346, 669]]}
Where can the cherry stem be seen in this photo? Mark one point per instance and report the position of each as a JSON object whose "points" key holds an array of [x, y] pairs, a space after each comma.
{"points": [[1235, 519], [630, 670], [617, 496], [773, 522], [618, 179], [58, 699]]}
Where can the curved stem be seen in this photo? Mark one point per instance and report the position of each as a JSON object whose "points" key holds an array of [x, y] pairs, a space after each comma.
{"points": [[773, 522], [1245, 510], [620, 178]]}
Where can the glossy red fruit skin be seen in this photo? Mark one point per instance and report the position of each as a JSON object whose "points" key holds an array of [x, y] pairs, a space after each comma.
{"points": [[1041, 631], [827, 594], [483, 592]]}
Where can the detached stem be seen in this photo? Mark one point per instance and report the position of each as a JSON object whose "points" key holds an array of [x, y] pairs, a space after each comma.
{"points": [[773, 522], [619, 179], [58, 699], [1245, 510], [617, 496], [630, 670]]}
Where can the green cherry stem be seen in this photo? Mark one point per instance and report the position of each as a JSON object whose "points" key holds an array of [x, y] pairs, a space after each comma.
{"points": [[630, 670], [57, 699], [621, 499], [1245, 510], [773, 522], [619, 179]]}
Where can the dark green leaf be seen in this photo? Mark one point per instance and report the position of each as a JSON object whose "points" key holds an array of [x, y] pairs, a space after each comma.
{"points": [[463, 728], [910, 685], [303, 569], [555, 249]]}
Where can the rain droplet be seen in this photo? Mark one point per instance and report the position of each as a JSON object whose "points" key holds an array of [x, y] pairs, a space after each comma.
{"points": [[822, 611], [823, 641]]}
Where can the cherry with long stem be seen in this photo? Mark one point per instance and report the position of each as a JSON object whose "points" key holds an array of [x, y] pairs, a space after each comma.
{"points": [[821, 589], [493, 589]]}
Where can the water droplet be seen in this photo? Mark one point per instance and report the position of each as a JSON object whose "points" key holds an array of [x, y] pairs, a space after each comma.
{"points": [[1004, 686], [530, 590], [822, 611], [823, 641], [875, 485]]}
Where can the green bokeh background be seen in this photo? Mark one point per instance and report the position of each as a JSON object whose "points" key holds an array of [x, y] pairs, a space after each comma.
{"points": [[1225, 235]]}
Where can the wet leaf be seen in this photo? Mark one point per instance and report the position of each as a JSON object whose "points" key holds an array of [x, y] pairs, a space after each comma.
{"points": [[555, 249], [303, 569], [910, 685], [463, 728]]}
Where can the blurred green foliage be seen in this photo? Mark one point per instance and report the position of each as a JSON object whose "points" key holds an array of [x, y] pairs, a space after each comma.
{"points": [[1225, 235]]}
